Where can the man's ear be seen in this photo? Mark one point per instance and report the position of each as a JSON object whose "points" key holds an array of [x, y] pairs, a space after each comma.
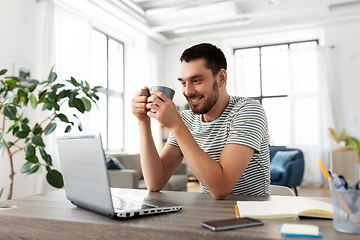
{"points": [[222, 77]]}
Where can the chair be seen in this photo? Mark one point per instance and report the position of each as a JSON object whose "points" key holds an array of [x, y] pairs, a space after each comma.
{"points": [[293, 171], [280, 190]]}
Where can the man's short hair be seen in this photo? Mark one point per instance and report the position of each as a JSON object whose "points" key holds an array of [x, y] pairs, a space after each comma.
{"points": [[214, 57]]}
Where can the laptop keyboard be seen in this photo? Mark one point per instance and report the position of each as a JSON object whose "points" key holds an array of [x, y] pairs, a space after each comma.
{"points": [[125, 204]]}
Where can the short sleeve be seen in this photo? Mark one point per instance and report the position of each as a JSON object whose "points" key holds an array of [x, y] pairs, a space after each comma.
{"points": [[248, 125]]}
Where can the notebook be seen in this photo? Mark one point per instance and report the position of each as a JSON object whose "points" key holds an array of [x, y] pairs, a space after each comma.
{"points": [[87, 184], [289, 208]]}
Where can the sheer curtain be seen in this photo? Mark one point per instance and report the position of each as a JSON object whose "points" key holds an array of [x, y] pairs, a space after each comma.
{"points": [[310, 109]]}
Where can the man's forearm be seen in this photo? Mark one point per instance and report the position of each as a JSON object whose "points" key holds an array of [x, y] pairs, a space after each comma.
{"points": [[151, 164], [207, 171]]}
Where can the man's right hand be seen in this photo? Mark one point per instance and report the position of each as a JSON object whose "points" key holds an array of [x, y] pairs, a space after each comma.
{"points": [[138, 104]]}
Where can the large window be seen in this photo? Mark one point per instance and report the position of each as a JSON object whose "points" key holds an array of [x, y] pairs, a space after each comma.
{"points": [[107, 70], [263, 73]]}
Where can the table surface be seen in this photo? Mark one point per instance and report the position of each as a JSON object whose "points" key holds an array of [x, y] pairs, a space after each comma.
{"points": [[51, 215]]}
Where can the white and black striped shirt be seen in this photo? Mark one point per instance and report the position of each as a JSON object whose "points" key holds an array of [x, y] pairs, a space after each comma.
{"points": [[242, 122]]}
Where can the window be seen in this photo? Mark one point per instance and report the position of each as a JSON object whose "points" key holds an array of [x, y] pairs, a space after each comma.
{"points": [[107, 70], [263, 73]]}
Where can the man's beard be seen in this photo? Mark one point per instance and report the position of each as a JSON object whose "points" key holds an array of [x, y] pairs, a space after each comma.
{"points": [[209, 102]]}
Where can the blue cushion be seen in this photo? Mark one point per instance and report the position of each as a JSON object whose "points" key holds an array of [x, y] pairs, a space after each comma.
{"points": [[280, 159], [113, 163], [275, 175]]}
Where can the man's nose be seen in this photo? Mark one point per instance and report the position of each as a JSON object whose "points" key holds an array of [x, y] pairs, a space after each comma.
{"points": [[188, 90]]}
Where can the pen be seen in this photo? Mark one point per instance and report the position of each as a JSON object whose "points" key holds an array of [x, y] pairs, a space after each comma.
{"points": [[237, 211], [353, 217]]}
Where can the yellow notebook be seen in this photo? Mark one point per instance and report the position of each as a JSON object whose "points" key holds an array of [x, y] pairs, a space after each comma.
{"points": [[289, 208]]}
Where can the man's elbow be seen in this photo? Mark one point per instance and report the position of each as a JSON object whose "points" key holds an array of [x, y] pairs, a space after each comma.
{"points": [[153, 188], [220, 195]]}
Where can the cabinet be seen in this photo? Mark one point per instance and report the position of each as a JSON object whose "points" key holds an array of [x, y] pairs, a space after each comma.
{"points": [[343, 163]]}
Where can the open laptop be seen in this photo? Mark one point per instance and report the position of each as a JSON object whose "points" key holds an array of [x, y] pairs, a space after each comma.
{"points": [[87, 184]]}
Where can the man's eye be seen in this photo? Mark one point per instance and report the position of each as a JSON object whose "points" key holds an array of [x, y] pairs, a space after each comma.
{"points": [[182, 83]]}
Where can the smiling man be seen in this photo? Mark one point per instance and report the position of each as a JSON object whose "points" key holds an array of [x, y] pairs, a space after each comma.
{"points": [[223, 138]]}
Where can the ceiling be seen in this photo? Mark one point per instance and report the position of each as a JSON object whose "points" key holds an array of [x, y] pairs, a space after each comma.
{"points": [[172, 19]]}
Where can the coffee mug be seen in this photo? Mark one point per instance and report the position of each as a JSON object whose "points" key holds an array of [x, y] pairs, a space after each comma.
{"points": [[166, 90]]}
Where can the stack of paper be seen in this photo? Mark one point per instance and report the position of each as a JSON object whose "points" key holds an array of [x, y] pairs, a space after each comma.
{"points": [[300, 230]]}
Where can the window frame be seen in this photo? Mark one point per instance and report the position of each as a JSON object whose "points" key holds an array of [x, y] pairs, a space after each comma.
{"points": [[112, 93], [261, 97]]}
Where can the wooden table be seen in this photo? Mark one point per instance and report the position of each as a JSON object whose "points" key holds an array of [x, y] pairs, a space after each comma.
{"points": [[51, 216]]}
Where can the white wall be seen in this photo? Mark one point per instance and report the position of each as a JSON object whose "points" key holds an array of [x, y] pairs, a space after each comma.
{"points": [[345, 68], [20, 45]]}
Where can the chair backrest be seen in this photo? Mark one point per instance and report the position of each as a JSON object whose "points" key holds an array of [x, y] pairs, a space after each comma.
{"points": [[280, 190]]}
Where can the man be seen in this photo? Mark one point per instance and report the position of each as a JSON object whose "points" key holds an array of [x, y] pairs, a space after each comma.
{"points": [[224, 139]]}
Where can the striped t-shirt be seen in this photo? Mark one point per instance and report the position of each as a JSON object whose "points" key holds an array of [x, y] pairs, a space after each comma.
{"points": [[242, 122]]}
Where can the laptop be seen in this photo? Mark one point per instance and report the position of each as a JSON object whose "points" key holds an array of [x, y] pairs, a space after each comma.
{"points": [[87, 184]]}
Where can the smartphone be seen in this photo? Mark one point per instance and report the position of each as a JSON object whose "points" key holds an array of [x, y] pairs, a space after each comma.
{"points": [[232, 223]]}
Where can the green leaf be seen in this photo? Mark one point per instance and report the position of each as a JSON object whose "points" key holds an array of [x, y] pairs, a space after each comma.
{"points": [[25, 127], [52, 77], [24, 100], [47, 105], [64, 93], [32, 87], [79, 104], [32, 159], [2, 72], [37, 130], [74, 82], [51, 96], [42, 96], [10, 144], [2, 134], [42, 152], [33, 101], [1, 192], [12, 82], [87, 104], [57, 86], [10, 112], [80, 127], [26, 120], [50, 129], [55, 178], [68, 128], [27, 140], [63, 117], [30, 150], [33, 169], [8, 97], [56, 106], [16, 129], [37, 140], [22, 93], [26, 167], [21, 134]]}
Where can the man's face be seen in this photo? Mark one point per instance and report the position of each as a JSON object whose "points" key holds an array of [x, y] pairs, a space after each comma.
{"points": [[199, 86]]}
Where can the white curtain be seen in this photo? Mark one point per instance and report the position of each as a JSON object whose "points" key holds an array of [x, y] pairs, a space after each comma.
{"points": [[310, 110]]}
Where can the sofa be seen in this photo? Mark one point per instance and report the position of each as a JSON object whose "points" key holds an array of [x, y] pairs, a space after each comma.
{"points": [[130, 175]]}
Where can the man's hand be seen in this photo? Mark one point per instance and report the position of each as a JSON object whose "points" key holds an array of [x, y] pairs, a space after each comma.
{"points": [[138, 104], [165, 110]]}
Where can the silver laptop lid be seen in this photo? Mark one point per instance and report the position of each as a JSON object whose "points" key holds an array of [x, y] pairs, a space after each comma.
{"points": [[83, 166]]}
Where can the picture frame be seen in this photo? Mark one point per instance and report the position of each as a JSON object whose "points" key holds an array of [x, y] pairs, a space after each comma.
{"points": [[20, 70]]}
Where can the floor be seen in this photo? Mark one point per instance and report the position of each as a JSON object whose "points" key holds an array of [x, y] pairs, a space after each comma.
{"points": [[302, 191]]}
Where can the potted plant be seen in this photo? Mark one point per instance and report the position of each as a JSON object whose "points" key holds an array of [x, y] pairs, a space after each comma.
{"points": [[18, 94]]}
